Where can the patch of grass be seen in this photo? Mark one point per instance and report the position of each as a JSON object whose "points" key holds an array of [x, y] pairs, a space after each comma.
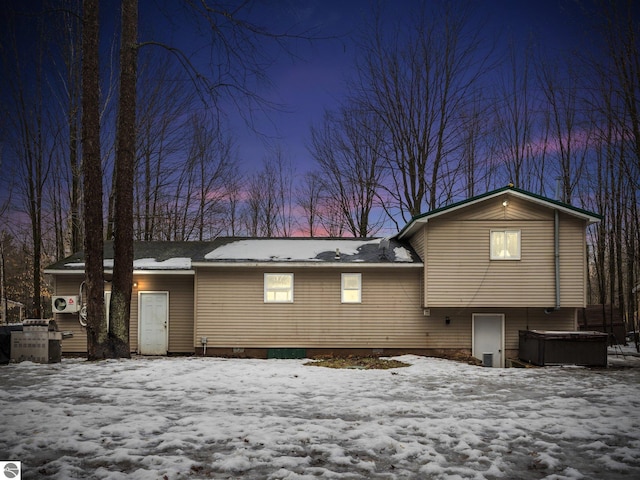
{"points": [[364, 363], [463, 358]]}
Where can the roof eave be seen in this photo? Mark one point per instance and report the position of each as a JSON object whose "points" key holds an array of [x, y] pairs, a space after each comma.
{"points": [[321, 264], [79, 271], [589, 217]]}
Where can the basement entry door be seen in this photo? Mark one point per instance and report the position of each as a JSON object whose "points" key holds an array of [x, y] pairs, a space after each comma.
{"points": [[154, 320], [488, 337]]}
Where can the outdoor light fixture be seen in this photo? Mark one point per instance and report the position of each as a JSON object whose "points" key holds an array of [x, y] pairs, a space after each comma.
{"points": [[447, 320], [505, 203], [135, 284]]}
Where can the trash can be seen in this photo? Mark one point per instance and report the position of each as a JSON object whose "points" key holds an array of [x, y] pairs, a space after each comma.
{"points": [[39, 341]]}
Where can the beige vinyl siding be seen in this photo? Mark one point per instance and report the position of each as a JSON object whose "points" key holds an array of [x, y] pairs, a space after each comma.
{"points": [[417, 242], [180, 289], [70, 285], [458, 333], [231, 312], [458, 271], [536, 319], [573, 262], [493, 209]]}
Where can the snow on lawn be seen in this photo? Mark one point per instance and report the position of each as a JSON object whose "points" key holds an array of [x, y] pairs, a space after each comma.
{"points": [[179, 418]]}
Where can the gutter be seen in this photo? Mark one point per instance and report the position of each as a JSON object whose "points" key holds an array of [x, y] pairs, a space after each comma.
{"points": [[110, 272], [319, 264]]}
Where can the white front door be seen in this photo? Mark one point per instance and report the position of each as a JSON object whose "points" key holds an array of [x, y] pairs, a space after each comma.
{"points": [[154, 322], [488, 337]]}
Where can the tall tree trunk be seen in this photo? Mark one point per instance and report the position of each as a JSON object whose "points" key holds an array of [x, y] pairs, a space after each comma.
{"points": [[76, 230], [125, 160], [3, 282], [92, 172]]}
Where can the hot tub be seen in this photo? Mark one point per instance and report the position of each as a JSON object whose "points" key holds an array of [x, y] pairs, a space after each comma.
{"points": [[548, 347]]}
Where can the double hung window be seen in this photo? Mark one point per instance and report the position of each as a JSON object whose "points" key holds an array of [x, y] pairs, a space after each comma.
{"points": [[351, 288], [278, 288], [505, 244]]}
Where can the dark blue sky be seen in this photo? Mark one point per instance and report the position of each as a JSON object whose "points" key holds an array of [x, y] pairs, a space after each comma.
{"points": [[315, 81]]}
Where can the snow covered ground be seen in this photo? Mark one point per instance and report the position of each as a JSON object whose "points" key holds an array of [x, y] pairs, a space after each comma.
{"points": [[178, 418]]}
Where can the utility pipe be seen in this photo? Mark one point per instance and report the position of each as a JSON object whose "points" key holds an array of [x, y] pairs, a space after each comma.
{"points": [[556, 246], [556, 258]]}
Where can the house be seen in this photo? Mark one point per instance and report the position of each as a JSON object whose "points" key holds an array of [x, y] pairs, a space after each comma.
{"points": [[463, 278]]}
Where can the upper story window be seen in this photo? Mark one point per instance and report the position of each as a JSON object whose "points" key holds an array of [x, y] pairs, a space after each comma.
{"points": [[351, 288], [278, 288], [505, 244]]}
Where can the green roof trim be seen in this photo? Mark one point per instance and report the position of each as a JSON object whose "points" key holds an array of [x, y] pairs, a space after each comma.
{"points": [[493, 193]]}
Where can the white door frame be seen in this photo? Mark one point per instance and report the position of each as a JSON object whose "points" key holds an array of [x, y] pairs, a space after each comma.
{"points": [[166, 340], [473, 333]]}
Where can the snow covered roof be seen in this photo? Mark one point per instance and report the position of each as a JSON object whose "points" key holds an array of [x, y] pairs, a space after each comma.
{"points": [[313, 250], [182, 257]]}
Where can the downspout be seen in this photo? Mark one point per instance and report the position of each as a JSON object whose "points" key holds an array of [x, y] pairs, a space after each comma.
{"points": [[556, 255]]}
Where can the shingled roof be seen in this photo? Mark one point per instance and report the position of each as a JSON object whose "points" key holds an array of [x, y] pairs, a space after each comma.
{"points": [[184, 256]]}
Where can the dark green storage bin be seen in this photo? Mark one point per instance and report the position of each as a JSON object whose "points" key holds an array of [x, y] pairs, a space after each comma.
{"points": [[287, 353]]}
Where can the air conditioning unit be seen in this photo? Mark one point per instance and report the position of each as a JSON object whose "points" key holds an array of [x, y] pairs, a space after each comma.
{"points": [[65, 304]]}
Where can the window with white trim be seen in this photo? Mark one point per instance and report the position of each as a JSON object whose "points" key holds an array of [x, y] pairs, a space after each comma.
{"points": [[505, 244], [351, 288], [278, 288]]}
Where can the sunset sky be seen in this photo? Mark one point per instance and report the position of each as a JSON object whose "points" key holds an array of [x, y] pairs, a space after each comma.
{"points": [[312, 77]]}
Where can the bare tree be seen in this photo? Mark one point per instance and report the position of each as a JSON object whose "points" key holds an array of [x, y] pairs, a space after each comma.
{"points": [[349, 149], [269, 199], [331, 217], [264, 192], [32, 139], [613, 95], [621, 37], [283, 189], [309, 194], [195, 208], [65, 188], [72, 63], [212, 167], [517, 147], [416, 82], [253, 206], [97, 346], [163, 104], [233, 209], [570, 133]]}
